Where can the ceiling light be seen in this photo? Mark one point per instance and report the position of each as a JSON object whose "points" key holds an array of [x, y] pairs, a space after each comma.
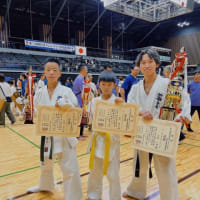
{"points": [[182, 24]]}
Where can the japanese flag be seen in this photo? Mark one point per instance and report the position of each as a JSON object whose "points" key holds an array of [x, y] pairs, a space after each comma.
{"points": [[80, 51]]}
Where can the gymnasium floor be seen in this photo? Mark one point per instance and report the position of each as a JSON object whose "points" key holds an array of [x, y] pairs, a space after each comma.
{"points": [[20, 166]]}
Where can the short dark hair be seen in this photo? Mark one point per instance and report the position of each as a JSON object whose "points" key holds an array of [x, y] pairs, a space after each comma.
{"points": [[2, 77], [54, 60], [10, 82], [82, 67], [151, 53], [107, 66], [107, 76], [23, 75], [133, 66]]}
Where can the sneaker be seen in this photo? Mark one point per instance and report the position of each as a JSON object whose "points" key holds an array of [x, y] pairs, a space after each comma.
{"points": [[190, 130]]}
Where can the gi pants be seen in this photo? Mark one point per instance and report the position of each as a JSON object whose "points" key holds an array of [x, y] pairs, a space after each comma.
{"points": [[95, 180], [71, 175], [165, 169]]}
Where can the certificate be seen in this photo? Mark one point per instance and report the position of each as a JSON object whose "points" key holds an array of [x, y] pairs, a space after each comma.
{"points": [[58, 121], [114, 118], [158, 136]]}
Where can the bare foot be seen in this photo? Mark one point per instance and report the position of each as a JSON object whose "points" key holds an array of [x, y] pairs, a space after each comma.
{"points": [[125, 195], [81, 138], [84, 136]]}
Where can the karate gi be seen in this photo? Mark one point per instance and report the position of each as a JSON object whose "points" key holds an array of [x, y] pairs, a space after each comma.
{"points": [[63, 147], [95, 180], [39, 85], [165, 167]]}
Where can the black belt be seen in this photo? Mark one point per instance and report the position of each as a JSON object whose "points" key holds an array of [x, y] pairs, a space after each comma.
{"points": [[137, 168], [42, 148]]}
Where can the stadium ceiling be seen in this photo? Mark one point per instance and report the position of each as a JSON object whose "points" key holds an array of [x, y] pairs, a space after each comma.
{"points": [[150, 10], [93, 14]]}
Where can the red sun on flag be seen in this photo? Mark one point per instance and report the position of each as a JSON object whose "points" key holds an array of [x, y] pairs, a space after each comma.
{"points": [[80, 50]]}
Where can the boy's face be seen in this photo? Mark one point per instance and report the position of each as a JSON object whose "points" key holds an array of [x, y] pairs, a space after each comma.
{"points": [[106, 87], [148, 65], [52, 72]]}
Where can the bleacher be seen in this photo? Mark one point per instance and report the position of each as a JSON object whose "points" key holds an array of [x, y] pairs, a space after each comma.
{"points": [[23, 59]]}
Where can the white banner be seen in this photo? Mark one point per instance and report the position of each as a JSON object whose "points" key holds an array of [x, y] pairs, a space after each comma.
{"points": [[50, 46]]}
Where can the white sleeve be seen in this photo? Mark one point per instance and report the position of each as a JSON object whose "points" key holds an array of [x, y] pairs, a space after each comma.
{"points": [[91, 108], [132, 95], [70, 98], [37, 98], [186, 106]]}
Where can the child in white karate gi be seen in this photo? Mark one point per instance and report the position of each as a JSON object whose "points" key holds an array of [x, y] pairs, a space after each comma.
{"points": [[146, 93], [107, 81], [64, 148]]}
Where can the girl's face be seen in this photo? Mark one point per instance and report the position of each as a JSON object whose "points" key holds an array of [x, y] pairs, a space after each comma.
{"points": [[148, 65]]}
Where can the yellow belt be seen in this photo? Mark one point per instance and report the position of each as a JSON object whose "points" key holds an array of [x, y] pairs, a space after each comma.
{"points": [[106, 152]]}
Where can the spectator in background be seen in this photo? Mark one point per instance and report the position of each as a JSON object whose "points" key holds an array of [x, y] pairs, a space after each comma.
{"points": [[12, 86], [5, 93], [107, 68], [194, 91], [45, 81], [78, 87], [129, 81], [24, 84], [92, 85], [40, 83], [79, 82], [13, 90], [167, 71], [69, 83], [121, 81]]}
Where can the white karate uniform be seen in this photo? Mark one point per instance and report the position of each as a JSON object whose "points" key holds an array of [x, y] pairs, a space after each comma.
{"points": [[39, 85], [13, 90], [165, 167], [63, 147], [95, 180]]}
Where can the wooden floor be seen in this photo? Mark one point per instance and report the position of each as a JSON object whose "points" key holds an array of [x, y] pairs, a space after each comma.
{"points": [[20, 167]]}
